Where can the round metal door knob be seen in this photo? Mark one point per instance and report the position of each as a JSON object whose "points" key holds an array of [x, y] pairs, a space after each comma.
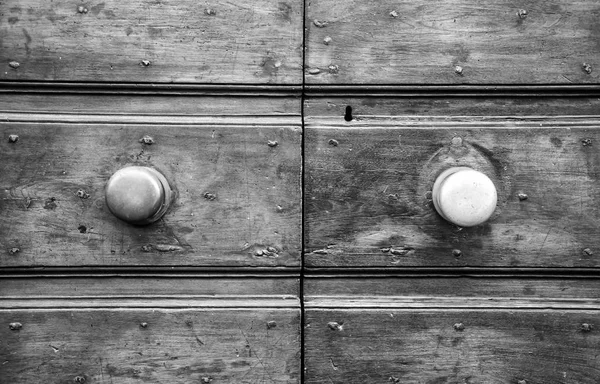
{"points": [[138, 195], [464, 196]]}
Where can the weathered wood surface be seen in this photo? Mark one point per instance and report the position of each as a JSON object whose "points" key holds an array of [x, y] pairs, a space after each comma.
{"points": [[419, 42], [451, 346], [152, 41], [367, 184], [113, 103], [254, 203], [446, 103], [434, 291], [140, 291], [159, 346]]}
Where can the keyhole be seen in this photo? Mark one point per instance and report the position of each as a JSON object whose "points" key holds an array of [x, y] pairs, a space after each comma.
{"points": [[348, 115]]}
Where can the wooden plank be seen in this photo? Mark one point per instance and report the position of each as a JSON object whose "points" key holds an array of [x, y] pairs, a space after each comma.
{"points": [[444, 104], [153, 41], [451, 346], [434, 291], [160, 345], [409, 42], [367, 184], [149, 105], [256, 187], [159, 291]]}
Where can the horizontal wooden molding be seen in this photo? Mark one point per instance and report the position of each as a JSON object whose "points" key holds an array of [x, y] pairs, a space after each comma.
{"points": [[484, 90], [240, 121], [122, 88], [426, 302]]}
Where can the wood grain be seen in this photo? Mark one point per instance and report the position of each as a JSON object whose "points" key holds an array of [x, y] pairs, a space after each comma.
{"points": [[159, 345], [417, 42], [451, 346], [366, 185], [257, 188], [435, 291], [447, 103], [140, 291], [257, 42]]}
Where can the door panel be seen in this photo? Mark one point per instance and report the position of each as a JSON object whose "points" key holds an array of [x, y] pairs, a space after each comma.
{"points": [[94, 329], [369, 180], [146, 41], [478, 329], [237, 183], [452, 42]]}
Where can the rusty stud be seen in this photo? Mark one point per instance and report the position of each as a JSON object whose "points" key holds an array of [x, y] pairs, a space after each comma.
{"points": [[82, 194], [522, 196], [147, 140], [82, 9], [210, 12], [15, 326], [271, 324], [14, 64], [586, 142], [80, 379], [333, 142], [585, 327], [327, 40], [458, 70], [13, 138], [394, 14], [14, 251], [522, 382], [320, 24], [456, 253], [586, 68], [207, 379], [144, 325], [335, 326], [272, 143], [522, 13], [588, 252], [459, 327], [333, 69], [210, 196], [145, 63]]}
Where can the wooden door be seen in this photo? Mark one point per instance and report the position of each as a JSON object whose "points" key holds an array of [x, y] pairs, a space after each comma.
{"points": [[206, 94], [396, 93]]}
